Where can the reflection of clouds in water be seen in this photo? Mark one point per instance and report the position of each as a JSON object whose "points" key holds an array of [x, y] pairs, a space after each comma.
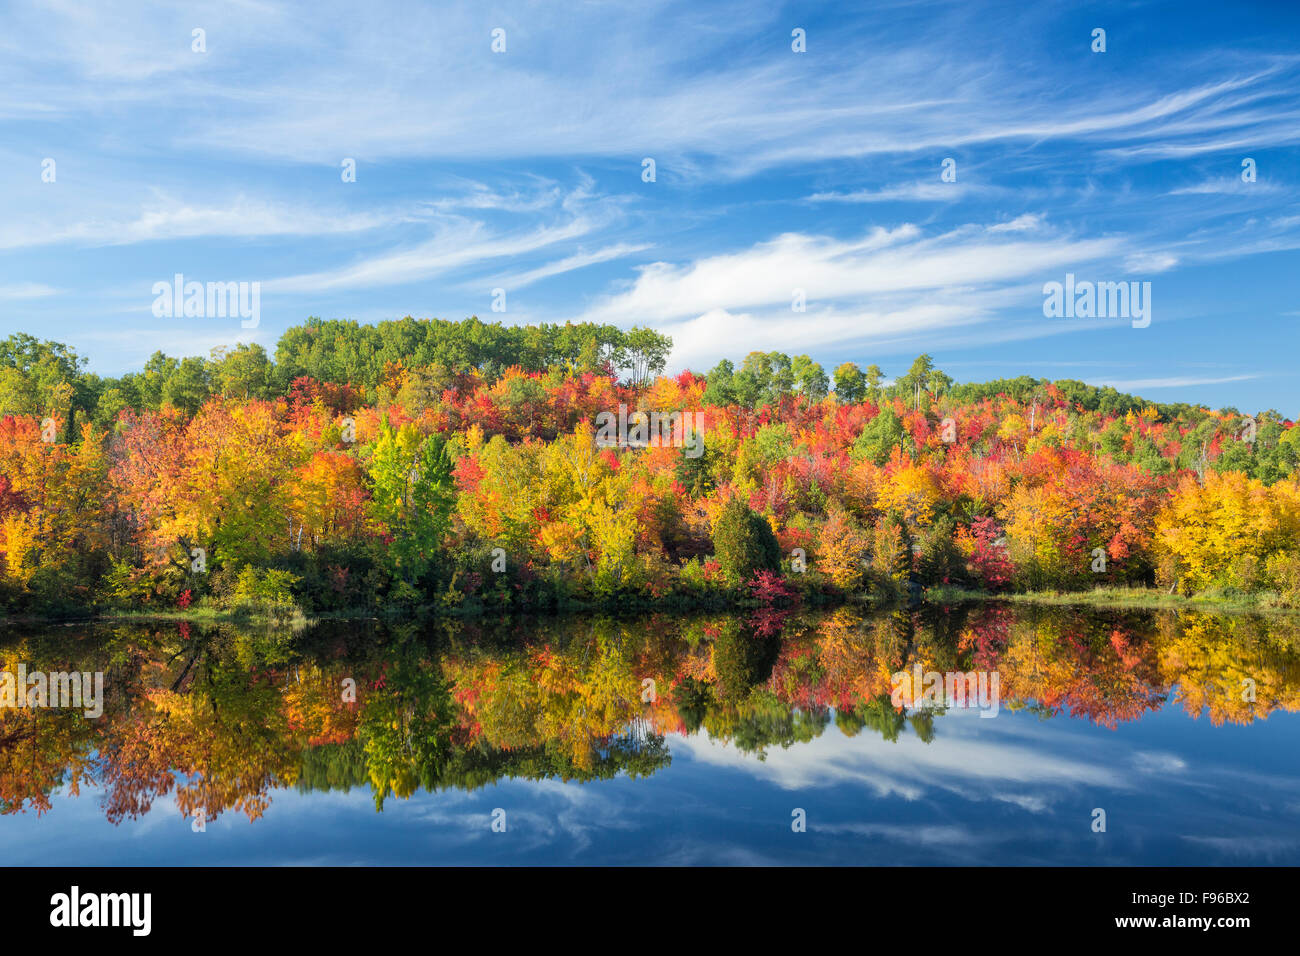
{"points": [[970, 757], [695, 852], [945, 844], [547, 813], [1150, 762], [944, 836], [1051, 771], [1016, 790], [1023, 801], [1254, 848]]}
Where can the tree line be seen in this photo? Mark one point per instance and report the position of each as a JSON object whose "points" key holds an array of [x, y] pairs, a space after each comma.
{"points": [[406, 465]]}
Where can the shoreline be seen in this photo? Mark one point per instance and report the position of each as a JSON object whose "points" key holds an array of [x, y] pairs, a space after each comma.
{"points": [[297, 619], [1152, 599]]}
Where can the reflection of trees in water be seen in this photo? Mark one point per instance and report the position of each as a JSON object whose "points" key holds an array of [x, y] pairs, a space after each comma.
{"points": [[223, 718], [762, 721], [406, 723], [1214, 662], [743, 656], [347, 765], [879, 715]]}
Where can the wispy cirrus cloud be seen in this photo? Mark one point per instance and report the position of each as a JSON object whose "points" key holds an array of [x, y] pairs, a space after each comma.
{"points": [[915, 92], [458, 246], [26, 290], [1228, 186], [776, 170], [579, 260], [167, 218], [1172, 381], [904, 192], [462, 244]]}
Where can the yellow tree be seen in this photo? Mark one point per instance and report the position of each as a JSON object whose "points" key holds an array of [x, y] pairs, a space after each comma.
{"points": [[63, 489], [233, 491], [909, 489], [592, 512], [842, 549], [1222, 533]]}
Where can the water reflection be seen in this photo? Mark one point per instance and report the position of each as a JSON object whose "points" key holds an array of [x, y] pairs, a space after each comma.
{"points": [[220, 722]]}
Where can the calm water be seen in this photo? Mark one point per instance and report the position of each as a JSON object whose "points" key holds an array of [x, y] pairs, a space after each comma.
{"points": [[664, 740]]}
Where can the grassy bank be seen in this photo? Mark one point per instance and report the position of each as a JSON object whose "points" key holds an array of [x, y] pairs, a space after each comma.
{"points": [[1135, 598], [295, 618]]}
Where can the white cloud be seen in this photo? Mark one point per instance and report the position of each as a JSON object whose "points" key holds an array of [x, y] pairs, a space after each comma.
{"points": [[415, 82], [1227, 185], [1027, 222], [579, 260], [465, 244], [165, 218], [1174, 381], [880, 263], [1149, 262], [461, 243], [907, 192], [887, 285], [26, 290]]}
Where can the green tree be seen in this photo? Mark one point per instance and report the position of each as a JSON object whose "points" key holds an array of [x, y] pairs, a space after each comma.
{"points": [[765, 377], [743, 543], [40, 378], [873, 377], [880, 437], [918, 379], [809, 378], [850, 384], [413, 496], [243, 372], [718, 388], [647, 353], [939, 561]]}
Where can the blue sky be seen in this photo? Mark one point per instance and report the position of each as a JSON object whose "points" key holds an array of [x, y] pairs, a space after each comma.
{"points": [[775, 171]]}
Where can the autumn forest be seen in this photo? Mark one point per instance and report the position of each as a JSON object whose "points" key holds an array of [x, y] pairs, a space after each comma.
{"points": [[457, 468]]}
